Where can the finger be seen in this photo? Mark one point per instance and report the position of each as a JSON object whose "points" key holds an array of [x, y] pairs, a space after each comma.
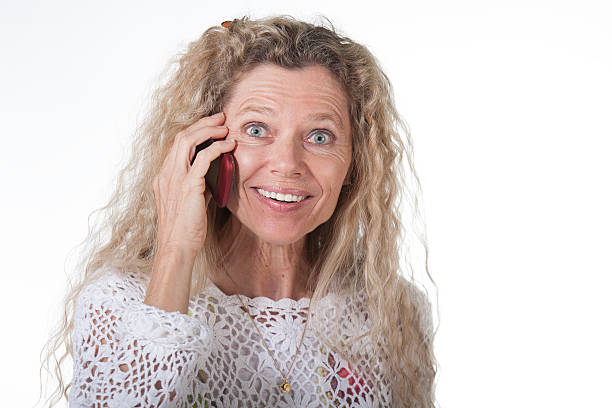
{"points": [[207, 196], [213, 120], [174, 166], [168, 167], [208, 121], [185, 146], [205, 157], [193, 140]]}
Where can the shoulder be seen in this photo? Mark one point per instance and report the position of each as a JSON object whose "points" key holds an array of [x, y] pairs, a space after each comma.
{"points": [[419, 300], [412, 290], [114, 284], [112, 304], [407, 297], [110, 290]]}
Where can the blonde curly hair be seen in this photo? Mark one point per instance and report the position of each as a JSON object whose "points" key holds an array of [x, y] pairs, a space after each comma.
{"points": [[357, 249]]}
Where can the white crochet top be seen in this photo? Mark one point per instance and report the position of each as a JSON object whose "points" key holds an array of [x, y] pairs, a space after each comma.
{"points": [[128, 354]]}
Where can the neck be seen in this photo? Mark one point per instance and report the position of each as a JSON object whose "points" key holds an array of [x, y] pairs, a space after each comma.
{"points": [[253, 267]]}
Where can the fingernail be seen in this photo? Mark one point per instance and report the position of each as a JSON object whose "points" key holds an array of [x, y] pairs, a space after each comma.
{"points": [[217, 115]]}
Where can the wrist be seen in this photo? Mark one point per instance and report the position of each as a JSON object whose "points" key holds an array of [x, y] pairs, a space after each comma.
{"points": [[176, 250], [170, 282]]}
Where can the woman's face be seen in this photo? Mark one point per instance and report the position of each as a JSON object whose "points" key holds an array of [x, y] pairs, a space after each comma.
{"points": [[293, 150]]}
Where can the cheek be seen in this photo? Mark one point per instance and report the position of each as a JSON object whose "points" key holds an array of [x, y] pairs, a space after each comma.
{"points": [[331, 178], [247, 159], [332, 168], [246, 162]]}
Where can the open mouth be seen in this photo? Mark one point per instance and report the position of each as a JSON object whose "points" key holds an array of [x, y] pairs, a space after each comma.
{"points": [[280, 197]]}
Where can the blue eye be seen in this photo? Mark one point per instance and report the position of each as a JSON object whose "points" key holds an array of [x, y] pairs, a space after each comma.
{"points": [[255, 130], [319, 137]]}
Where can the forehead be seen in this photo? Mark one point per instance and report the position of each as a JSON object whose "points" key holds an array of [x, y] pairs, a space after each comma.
{"points": [[309, 88]]}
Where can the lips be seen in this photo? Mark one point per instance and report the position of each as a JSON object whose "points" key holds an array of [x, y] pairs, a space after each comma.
{"points": [[284, 197], [281, 199], [284, 190]]}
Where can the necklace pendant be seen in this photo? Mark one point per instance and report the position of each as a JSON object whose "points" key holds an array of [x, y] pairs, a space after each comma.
{"points": [[284, 386]]}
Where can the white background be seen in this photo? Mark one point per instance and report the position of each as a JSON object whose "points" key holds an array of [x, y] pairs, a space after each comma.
{"points": [[510, 108]]}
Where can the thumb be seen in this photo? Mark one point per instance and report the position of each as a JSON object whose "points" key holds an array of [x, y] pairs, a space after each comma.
{"points": [[207, 196]]}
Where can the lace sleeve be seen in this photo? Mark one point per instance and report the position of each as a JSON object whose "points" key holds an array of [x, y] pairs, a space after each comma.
{"points": [[128, 354]]}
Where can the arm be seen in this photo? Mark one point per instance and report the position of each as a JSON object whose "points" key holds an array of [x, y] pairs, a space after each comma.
{"points": [[171, 280], [181, 199]]}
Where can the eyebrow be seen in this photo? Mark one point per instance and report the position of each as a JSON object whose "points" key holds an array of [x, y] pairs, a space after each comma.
{"points": [[327, 116], [318, 116], [257, 109]]}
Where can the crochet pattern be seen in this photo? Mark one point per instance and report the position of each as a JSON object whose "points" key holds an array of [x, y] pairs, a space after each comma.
{"points": [[128, 354]]}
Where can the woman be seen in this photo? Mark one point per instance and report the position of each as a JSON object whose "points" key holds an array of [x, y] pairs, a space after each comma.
{"points": [[292, 294]]}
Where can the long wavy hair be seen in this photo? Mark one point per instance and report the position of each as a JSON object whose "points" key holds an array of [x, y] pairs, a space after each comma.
{"points": [[356, 250]]}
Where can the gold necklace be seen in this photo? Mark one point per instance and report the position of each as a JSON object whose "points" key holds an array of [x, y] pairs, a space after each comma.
{"points": [[284, 385]]}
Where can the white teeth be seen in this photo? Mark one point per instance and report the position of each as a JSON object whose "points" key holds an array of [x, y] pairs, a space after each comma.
{"points": [[280, 196]]}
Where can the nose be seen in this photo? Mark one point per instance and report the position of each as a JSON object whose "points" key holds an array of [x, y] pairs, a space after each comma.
{"points": [[287, 157]]}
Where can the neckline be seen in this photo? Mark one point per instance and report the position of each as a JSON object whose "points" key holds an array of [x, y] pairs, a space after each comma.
{"points": [[263, 302], [258, 301]]}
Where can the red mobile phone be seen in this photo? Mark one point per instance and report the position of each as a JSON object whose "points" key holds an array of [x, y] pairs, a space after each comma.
{"points": [[220, 174]]}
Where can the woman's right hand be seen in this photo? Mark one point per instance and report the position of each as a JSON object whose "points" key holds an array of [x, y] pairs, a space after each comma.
{"points": [[181, 194], [181, 198]]}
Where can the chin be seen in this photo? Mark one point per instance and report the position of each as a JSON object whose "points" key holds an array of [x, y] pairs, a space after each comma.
{"points": [[274, 229], [276, 237]]}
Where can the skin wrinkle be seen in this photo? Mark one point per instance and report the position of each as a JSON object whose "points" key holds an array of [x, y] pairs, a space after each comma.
{"points": [[313, 117], [291, 104]]}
